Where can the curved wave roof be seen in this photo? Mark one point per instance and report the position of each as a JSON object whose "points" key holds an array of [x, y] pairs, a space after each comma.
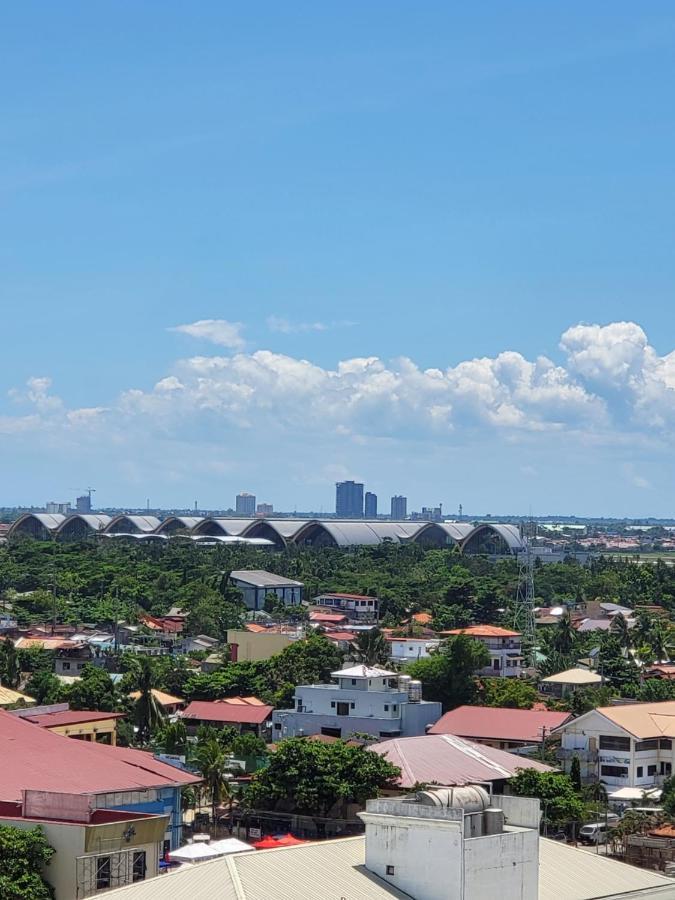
{"points": [[227, 526], [93, 521], [50, 521], [186, 522], [137, 523], [509, 533]]}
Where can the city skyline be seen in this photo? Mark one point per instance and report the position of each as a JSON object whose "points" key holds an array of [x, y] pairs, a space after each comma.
{"points": [[340, 245]]}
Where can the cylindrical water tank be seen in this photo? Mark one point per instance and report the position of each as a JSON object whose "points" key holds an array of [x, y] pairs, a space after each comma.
{"points": [[415, 691], [470, 798], [404, 682]]}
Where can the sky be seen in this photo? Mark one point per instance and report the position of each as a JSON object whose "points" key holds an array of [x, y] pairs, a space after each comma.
{"points": [[265, 248]]}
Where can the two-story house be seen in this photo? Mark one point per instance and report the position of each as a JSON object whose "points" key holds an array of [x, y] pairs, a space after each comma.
{"points": [[503, 645], [256, 584], [630, 745], [362, 700], [356, 607]]}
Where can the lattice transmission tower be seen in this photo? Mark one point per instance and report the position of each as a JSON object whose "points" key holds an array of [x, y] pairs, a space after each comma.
{"points": [[523, 610]]}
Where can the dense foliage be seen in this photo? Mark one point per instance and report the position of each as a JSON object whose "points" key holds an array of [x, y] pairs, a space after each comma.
{"points": [[560, 802], [448, 675], [22, 854], [313, 778]]}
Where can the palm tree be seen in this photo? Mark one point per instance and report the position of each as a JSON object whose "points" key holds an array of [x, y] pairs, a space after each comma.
{"points": [[659, 640], [372, 648], [211, 759], [565, 636], [172, 738], [620, 629], [147, 711]]}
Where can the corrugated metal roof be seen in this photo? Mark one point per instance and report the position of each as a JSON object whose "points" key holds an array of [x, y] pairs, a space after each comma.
{"points": [[574, 676], [499, 723], [450, 760], [643, 720], [330, 870], [263, 579], [235, 709], [9, 697]]}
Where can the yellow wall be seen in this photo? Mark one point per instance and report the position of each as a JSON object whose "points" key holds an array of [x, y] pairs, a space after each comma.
{"points": [[91, 730], [254, 646]]}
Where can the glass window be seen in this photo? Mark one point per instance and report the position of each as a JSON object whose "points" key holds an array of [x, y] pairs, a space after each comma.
{"points": [[640, 770], [386, 707], [665, 744], [651, 770], [614, 771], [102, 872], [613, 742], [646, 745], [138, 869]]}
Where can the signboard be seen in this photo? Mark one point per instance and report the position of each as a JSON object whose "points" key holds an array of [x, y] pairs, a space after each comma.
{"points": [[255, 833]]}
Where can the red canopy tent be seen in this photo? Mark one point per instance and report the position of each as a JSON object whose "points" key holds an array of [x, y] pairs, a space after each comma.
{"points": [[266, 843], [289, 840]]}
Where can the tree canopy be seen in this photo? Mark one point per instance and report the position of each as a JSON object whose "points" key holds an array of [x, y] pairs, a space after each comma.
{"points": [[22, 855]]}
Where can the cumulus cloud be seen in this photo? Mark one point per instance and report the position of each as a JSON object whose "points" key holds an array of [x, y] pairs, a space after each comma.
{"points": [[216, 331]]}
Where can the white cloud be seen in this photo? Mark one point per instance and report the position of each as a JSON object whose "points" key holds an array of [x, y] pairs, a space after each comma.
{"points": [[216, 331]]}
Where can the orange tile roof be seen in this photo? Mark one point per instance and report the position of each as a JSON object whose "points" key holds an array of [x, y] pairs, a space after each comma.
{"points": [[483, 631]]}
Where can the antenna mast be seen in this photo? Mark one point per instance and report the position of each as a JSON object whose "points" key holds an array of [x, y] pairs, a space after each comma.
{"points": [[523, 611]]}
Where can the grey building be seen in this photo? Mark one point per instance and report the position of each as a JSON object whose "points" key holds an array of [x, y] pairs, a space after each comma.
{"points": [[245, 504], [255, 584], [349, 500], [399, 507], [83, 503], [362, 700], [371, 505]]}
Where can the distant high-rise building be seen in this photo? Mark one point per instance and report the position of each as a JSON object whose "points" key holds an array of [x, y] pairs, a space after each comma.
{"points": [[264, 509], [399, 507], [349, 500], [53, 508], [245, 504], [431, 513], [83, 503], [370, 511]]}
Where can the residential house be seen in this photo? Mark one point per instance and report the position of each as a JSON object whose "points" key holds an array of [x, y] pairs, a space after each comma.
{"points": [[362, 699], [565, 683], [506, 729], [256, 584], [246, 714], [356, 607], [263, 643], [503, 645], [628, 745], [84, 725], [405, 649], [322, 619]]}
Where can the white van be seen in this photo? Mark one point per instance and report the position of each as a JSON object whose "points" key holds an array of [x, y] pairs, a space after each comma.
{"points": [[594, 832]]}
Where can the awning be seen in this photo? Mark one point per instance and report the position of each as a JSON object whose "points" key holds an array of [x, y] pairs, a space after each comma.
{"points": [[633, 793]]}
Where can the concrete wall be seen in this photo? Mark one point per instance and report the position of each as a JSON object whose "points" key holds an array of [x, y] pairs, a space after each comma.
{"points": [[502, 865], [252, 647]]}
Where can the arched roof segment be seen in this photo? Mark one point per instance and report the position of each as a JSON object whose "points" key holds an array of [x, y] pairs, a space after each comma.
{"points": [[81, 525], [36, 525], [220, 525], [133, 524], [286, 528], [493, 539], [436, 534], [179, 523]]}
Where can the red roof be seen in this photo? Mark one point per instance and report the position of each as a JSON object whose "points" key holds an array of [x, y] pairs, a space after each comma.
{"points": [[235, 710], [71, 717], [41, 760], [500, 724], [159, 623], [340, 635], [484, 631], [330, 618]]}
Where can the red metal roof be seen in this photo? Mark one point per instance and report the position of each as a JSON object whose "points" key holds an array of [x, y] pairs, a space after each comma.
{"points": [[39, 759], [71, 717], [497, 723], [484, 631], [339, 635], [331, 618], [235, 710], [449, 760]]}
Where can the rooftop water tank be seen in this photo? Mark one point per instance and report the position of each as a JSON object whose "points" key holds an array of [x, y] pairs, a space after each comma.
{"points": [[470, 798], [415, 691]]}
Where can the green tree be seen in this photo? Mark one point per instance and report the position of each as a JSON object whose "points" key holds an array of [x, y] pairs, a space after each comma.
{"points": [[565, 637], [148, 714], [94, 690], [9, 665], [211, 761], [586, 699], [22, 856], [372, 649], [509, 692], [559, 800], [45, 688], [171, 738], [448, 675], [575, 774], [668, 797], [310, 778]]}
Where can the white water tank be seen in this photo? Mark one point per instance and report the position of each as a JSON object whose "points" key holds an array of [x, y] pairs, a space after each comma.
{"points": [[404, 683], [415, 691]]}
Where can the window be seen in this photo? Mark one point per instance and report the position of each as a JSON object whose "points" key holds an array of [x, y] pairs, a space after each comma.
{"points": [[386, 707], [138, 866], [651, 770], [353, 680], [646, 745], [332, 704], [331, 732], [66, 665], [277, 726], [640, 770], [343, 709], [394, 708], [352, 705], [613, 742], [390, 870], [614, 771], [666, 744], [102, 872]]}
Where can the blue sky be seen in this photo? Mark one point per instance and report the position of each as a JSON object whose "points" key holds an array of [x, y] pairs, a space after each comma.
{"points": [[459, 185]]}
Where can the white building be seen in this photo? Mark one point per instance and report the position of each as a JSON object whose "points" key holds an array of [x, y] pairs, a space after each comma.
{"points": [[436, 845], [411, 648], [357, 607], [363, 700], [256, 584], [628, 745], [504, 647]]}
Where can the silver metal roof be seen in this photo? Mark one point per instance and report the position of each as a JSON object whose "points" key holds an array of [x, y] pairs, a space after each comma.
{"points": [[95, 522], [260, 578], [140, 523]]}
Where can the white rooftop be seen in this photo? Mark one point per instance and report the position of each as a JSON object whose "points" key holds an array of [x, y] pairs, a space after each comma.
{"points": [[260, 578], [363, 672], [574, 676]]}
